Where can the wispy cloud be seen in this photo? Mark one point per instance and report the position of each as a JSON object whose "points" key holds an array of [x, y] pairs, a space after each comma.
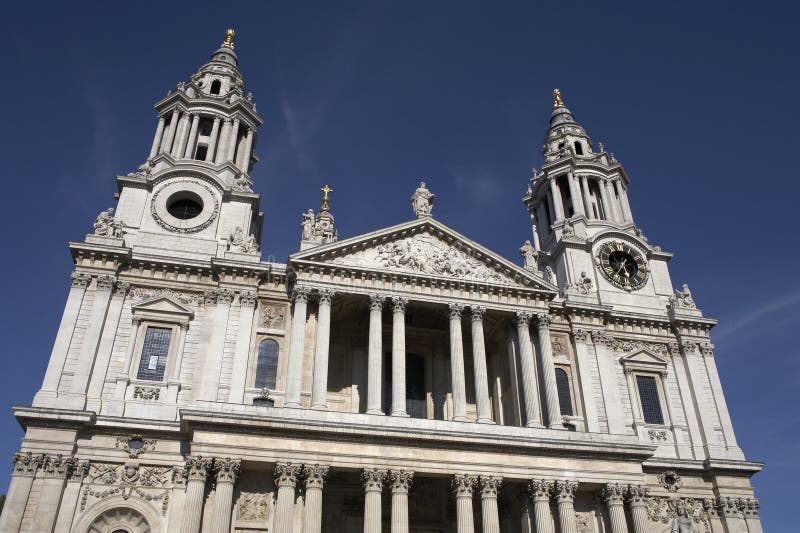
{"points": [[480, 186], [763, 310], [297, 137]]}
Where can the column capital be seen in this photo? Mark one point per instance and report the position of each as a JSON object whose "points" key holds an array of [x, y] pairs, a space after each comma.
{"points": [[564, 490], [751, 506], [540, 489], [490, 486], [105, 282], [543, 320], [455, 310], [523, 318], [376, 302], [248, 298], [463, 484], [80, 279], [79, 471], [614, 493], [601, 337], [373, 479], [217, 119], [315, 475], [399, 304], [638, 495], [57, 465], [197, 468], [227, 469], [26, 463], [326, 295], [300, 294], [730, 508], [286, 474], [477, 312], [401, 481], [580, 335]]}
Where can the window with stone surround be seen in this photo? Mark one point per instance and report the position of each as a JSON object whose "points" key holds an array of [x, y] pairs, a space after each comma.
{"points": [[564, 385], [267, 364], [645, 373], [649, 399]]}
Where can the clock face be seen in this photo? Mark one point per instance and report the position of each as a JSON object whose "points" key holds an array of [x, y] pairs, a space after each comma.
{"points": [[623, 265]]}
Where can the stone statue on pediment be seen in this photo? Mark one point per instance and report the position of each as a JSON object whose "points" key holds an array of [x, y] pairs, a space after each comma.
{"points": [[422, 201], [683, 298], [530, 257], [107, 225], [239, 242], [308, 222]]}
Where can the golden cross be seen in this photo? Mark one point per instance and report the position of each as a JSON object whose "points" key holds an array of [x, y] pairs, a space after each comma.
{"points": [[557, 101], [325, 190], [229, 36]]}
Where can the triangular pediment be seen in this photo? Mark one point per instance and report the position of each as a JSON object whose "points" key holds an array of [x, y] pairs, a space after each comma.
{"points": [[424, 248], [162, 306], [644, 358]]}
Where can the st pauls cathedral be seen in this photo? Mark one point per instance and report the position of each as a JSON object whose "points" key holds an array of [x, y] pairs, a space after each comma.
{"points": [[407, 379]]}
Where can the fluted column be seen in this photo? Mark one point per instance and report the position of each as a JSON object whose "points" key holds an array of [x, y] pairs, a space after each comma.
{"points": [[711, 507], [575, 193], [196, 472], [297, 336], [614, 495], [610, 201], [92, 334], [189, 151], [227, 470], [312, 513], [373, 479], [558, 205], [244, 156], [565, 496], [731, 511], [490, 487], [25, 466], [528, 365], [637, 501], [587, 200], [581, 338], [540, 490], [233, 140], [751, 515], [241, 351], [549, 372], [399, 356], [222, 147], [70, 496], [484, 406], [54, 472], [213, 139], [166, 145], [319, 388], [286, 478], [401, 483], [462, 488], [180, 135], [626, 205], [458, 376], [375, 355], [159, 134]]}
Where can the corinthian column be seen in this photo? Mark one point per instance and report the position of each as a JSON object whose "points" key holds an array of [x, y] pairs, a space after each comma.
{"points": [[479, 361], [196, 472], [490, 486], [286, 478], [375, 355], [399, 356], [166, 145], [297, 335], [212, 141], [227, 470], [731, 512], [462, 488], [315, 479], [457, 364], [373, 479], [614, 494], [637, 500], [751, 515], [319, 388], [401, 482], [528, 369], [549, 372], [565, 494], [540, 493], [157, 139], [189, 152], [25, 467], [54, 472]]}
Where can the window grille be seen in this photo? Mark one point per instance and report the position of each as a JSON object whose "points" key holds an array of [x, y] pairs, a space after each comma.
{"points": [[155, 351], [564, 393], [648, 396], [267, 364]]}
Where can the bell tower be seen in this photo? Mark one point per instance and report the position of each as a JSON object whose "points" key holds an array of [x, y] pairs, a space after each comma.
{"points": [[193, 196], [585, 238]]}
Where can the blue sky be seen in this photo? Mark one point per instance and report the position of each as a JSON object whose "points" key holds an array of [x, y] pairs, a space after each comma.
{"points": [[697, 100]]}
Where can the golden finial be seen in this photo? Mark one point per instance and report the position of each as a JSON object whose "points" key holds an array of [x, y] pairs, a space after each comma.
{"points": [[557, 101], [229, 35], [325, 190]]}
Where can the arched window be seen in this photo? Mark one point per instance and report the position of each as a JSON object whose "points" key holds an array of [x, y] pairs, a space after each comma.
{"points": [[578, 148], [564, 393], [216, 85], [267, 364]]}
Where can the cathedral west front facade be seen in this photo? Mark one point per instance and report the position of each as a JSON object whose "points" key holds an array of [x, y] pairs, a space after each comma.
{"points": [[407, 379]]}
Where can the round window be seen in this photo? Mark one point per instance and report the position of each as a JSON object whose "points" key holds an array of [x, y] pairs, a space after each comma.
{"points": [[185, 205]]}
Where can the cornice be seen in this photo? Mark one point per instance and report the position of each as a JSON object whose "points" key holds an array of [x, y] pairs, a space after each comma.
{"points": [[166, 104], [52, 417]]}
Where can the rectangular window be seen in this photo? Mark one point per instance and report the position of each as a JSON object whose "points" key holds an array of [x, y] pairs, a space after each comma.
{"points": [[648, 397], [155, 351]]}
